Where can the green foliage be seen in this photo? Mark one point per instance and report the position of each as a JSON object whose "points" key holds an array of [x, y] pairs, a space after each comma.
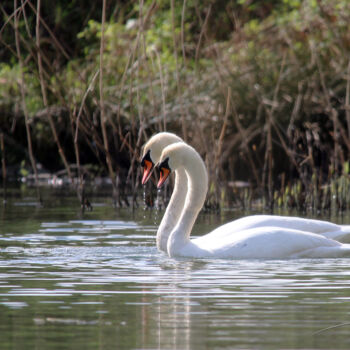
{"points": [[9, 77], [280, 60]]}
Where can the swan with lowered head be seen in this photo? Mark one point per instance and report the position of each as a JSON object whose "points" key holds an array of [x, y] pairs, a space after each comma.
{"points": [[150, 156], [226, 241]]}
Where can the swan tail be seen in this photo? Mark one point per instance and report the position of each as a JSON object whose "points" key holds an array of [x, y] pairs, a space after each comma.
{"points": [[345, 234], [342, 235]]}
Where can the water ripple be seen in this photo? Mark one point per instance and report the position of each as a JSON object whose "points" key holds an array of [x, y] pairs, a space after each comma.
{"points": [[66, 272]]}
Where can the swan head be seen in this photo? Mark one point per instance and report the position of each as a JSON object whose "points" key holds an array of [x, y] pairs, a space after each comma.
{"points": [[175, 156], [152, 151]]}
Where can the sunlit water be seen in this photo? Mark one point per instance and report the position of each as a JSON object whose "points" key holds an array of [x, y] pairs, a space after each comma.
{"points": [[96, 281]]}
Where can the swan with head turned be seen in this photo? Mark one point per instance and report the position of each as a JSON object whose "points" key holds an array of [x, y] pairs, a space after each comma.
{"points": [[151, 155], [268, 242]]}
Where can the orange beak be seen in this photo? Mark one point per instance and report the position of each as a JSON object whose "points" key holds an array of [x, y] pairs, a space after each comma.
{"points": [[147, 171], [164, 173]]}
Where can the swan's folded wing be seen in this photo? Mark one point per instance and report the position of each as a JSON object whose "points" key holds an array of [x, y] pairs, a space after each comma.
{"points": [[327, 229], [269, 243]]}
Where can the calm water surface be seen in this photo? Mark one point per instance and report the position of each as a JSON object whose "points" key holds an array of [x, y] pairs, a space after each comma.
{"points": [[96, 281]]}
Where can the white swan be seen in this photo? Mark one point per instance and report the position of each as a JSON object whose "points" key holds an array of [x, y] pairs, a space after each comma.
{"points": [[151, 155], [226, 241], [152, 151]]}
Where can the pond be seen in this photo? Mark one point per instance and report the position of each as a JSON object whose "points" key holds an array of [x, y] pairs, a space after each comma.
{"points": [[96, 281]]}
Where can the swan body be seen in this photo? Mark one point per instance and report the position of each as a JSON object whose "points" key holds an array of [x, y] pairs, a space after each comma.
{"points": [[153, 148], [263, 243], [327, 229], [261, 236]]}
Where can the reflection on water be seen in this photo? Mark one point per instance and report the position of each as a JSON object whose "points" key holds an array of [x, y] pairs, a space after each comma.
{"points": [[98, 282]]}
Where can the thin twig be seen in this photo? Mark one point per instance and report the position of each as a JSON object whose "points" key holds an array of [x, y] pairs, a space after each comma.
{"points": [[13, 14], [203, 29], [44, 94], [183, 120], [162, 89], [24, 105], [244, 137], [183, 31], [3, 167], [102, 104], [331, 327], [347, 99], [57, 43]]}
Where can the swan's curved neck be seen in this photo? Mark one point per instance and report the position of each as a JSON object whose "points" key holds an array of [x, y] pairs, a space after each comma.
{"points": [[173, 211], [197, 178]]}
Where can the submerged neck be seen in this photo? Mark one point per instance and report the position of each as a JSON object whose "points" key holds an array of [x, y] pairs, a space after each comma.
{"points": [[197, 190], [173, 211]]}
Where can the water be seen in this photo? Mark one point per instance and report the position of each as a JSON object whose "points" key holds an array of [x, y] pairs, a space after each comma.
{"points": [[96, 281]]}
